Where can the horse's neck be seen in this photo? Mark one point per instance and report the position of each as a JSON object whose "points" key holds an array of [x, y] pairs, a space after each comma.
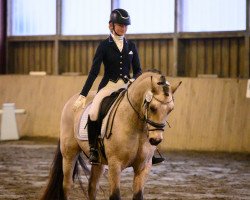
{"points": [[135, 98], [131, 105], [138, 89]]}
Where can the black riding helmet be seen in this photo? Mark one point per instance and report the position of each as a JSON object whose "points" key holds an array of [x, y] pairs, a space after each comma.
{"points": [[120, 16]]}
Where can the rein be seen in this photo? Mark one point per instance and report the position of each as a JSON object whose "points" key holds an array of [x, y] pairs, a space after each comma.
{"points": [[113, 113]]}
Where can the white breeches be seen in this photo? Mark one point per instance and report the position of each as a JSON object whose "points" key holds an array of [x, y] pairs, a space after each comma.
{"points": [[106, 91]]}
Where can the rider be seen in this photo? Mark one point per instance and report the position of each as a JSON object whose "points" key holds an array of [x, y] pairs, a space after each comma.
{"points": [[117, 54]]}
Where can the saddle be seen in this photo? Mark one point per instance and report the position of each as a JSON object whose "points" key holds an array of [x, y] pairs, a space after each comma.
{"points": [[106, 104], [102, 120]]}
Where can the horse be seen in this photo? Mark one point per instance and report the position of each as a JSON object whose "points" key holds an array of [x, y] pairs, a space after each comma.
{"points": [[137, 128]]}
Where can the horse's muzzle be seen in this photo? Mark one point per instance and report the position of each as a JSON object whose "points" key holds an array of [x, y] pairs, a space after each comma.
{"points": [[155, 141]]}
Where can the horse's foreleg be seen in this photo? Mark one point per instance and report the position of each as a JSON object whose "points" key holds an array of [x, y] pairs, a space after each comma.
{"points": [[114, 181], [140, 179], [96, 173]]}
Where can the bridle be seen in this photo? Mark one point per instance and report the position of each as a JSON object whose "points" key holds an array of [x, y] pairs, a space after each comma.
{"points": [[145, 118]]}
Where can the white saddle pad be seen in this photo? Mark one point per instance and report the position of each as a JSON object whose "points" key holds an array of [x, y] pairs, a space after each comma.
{"points": [[83, 128]]}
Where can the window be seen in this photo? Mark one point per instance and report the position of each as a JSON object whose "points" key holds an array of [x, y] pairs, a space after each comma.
{"points": [[85, 17], [29, 17], [90, 17], [149, 16], [212, 15]]}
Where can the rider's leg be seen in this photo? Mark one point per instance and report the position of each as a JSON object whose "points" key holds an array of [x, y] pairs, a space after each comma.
{"points": [[93, 132], [157, 160], [93, 127]]}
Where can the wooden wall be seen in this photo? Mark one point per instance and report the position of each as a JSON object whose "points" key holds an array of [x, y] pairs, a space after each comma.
{"points": [[222, 56], [156, 53], [210, 114], [205, 54], [77, 56], [29, 56]]}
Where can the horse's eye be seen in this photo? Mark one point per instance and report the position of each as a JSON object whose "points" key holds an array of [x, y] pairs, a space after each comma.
{"points": [[153, 109]]}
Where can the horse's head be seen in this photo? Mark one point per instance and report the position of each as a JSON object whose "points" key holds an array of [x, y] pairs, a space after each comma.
{"points": [[157, 103]]}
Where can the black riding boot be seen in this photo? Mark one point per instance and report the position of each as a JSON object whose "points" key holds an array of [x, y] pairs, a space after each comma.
{"points": [[157, 160], [93, 133]]}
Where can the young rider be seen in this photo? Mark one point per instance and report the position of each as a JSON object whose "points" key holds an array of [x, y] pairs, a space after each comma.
{"points": [[118, 55]]}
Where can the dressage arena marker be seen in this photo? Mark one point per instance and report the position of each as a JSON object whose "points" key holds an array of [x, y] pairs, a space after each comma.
{"points": [[9, 129], [37, 73]]}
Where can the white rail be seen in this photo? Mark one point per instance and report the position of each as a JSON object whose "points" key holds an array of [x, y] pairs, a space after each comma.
{"points": [[17, 111]]}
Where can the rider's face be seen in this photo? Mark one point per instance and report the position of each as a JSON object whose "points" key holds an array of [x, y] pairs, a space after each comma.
{"points": [[120, 29]]}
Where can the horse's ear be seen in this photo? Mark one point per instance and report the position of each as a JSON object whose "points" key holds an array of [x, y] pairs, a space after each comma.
{"points": [[175, 87]]}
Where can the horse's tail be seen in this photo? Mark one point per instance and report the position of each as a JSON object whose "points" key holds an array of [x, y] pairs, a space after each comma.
{"points": [[54, 189]]}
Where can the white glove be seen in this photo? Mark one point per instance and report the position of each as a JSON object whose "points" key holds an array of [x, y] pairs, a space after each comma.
{"points": [[131, 80], [80, 102]]}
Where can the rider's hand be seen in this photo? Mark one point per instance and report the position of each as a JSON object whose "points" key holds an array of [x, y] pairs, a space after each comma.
{"points": [[79, 103], [131, 80]]}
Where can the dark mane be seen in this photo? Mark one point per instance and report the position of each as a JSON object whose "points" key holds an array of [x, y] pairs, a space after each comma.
{"points": [[162, 82], [166, 89]]}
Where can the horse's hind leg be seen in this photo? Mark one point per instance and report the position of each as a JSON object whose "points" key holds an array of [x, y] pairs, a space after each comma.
{"points": [[70, 151], [96, 173]]}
